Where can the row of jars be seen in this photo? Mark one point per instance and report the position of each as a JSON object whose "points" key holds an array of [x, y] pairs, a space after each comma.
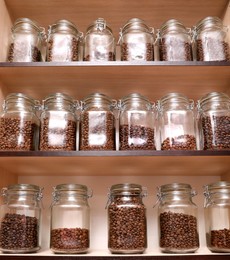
{"points": [[206, 41], [126, 215], [171, 124]]}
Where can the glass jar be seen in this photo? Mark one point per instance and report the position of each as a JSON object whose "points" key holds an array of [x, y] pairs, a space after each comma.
{"points": [[99, 44], [58, 123], [27, 39], [136, 123], [127, 225], [136, 41], [174, 42], [63, 42], [214, 121], [217, 216], [177, 219], [20, 217], [210, 37], [176, 120], [97, 123], [19, 124], [70, 219]]}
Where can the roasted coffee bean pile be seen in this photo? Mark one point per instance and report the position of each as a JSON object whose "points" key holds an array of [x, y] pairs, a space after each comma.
{"points": [[127, 225], [98, 56], [70, 53], [178, 231], [70, 239], [174, 49], [216, 132], [181, 142], [216, 50], [58, 138], [220, 238], [129, 52], [18, 232], [21, 52], [97, 131], [17, 134], [136, 137]]}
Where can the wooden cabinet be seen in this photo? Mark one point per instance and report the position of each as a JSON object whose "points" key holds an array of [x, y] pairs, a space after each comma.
{"points": [[99, 170]]}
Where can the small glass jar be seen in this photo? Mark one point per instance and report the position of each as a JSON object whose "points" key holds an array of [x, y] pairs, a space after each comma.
{"points": [[136, 123], [63, 43], [174, 42], [177, 219], [214, 121], [217, 216], [20, 217], [97, 123], [58, 123], [99, 44], [19, 124], [176, 121], [136, 41], [70, 219], [127, 224], [210, 37], [27, 40]]}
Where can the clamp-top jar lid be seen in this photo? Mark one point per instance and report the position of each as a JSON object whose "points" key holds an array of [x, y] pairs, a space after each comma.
{"points": [[59, 99], [214, 97], [128, 189], [79, 189], [175, 189], [64, 26], [99, 24], [136, 24], [208, 23], [27, 25], [173, 25], [135, 98], [213, 188], [97, 99]]}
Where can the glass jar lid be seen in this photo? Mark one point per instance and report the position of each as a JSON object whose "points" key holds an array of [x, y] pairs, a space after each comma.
{"points": [[172, 25], [209, 22], [97, 99], [213, 97], [175, 189], [136, 24], [174, 98], [135, 98], [217, 187], [127, 189], [64, 26], [99, 24], [78, 189]]}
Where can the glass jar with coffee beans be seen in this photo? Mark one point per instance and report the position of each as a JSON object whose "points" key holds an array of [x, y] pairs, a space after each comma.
{"points": [[177, 219], [127, 224], [99, 43], [210, 38], [20, 216], [70, 219], [97, 123], [174, 42], [136, 123], [136, 41], [214, 121], [177, 128], [217, 216], [27, 41], [58, 129], [63, 43], [19, 123]]}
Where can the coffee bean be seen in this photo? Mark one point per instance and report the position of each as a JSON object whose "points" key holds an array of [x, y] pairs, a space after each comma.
{"points": [[220, 239], [181, 142]]}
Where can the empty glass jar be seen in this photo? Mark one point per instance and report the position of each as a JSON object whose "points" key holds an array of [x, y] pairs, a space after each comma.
{"points": [[217, 216], [70, 219], [127, 225], [177, 219], [19, 124], [20, 217]]}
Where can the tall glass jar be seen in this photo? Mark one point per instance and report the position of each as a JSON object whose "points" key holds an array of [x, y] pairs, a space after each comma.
{"points": [[136, 41], [175, 42], [99, 44], [136, 123], [27, 39], [63, 43], [210, 37], [58, 123], [97, 123], [176, 122], [19, 124], [217, 216], [127, 225], [70, 219], [178, 226], [20, 217], [214, 121]]}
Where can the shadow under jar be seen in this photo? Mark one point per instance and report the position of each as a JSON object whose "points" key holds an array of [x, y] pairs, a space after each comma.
{"points": [[20, 217], [70, 219], [177, 219], [127, 224], [58, 123], [19, 124]]}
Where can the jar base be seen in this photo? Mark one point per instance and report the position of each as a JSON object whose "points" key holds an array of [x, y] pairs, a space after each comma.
{"points": [[20, 251]]}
